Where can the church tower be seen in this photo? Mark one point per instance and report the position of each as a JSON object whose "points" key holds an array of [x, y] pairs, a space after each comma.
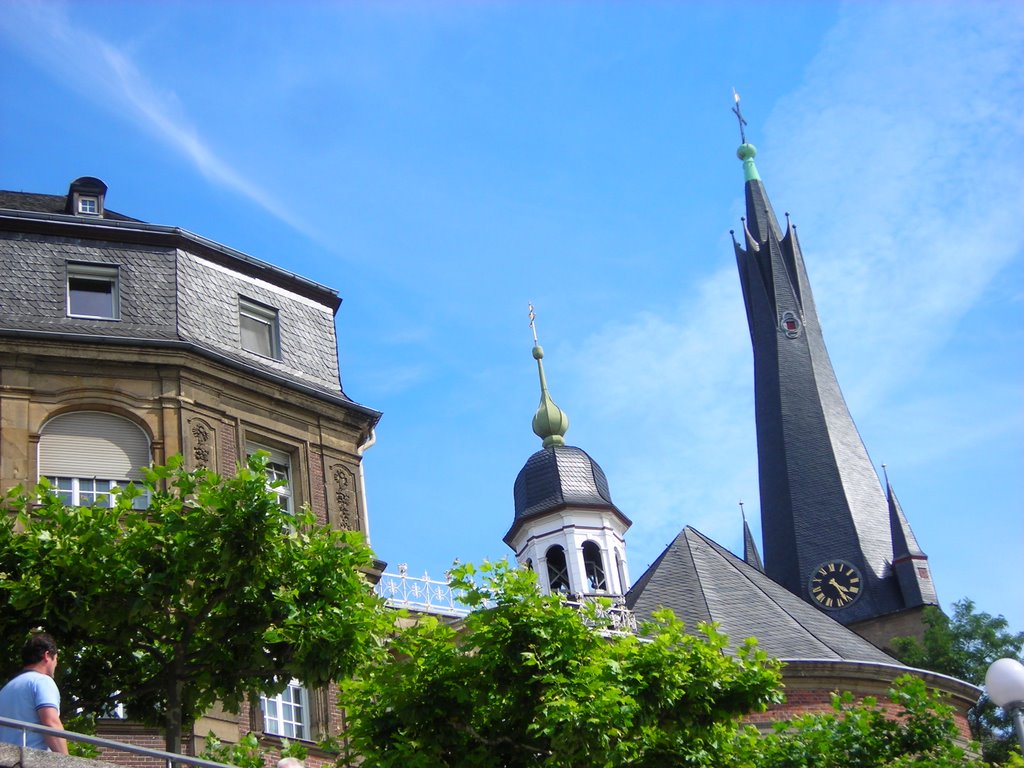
{"points": [[830, 534], [566, 527]]}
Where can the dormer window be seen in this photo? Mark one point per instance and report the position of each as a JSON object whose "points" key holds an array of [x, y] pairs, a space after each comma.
{"points": [[85, 197], [92, 291], [258, 329]]}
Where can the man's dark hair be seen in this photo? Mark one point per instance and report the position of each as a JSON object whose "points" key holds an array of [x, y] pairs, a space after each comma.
{"points": [[37, 646]]}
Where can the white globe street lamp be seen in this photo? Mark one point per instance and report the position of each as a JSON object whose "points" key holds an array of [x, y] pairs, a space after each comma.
{"points": [[1005, 683]]}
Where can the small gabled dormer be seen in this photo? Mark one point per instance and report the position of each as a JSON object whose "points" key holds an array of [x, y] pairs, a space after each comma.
{"points": [[85, 197]]}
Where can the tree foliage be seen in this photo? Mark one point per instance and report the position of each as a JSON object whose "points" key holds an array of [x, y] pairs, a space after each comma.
{"points": [[916, 728], [527, 681], [964, 646], [210, 593]]}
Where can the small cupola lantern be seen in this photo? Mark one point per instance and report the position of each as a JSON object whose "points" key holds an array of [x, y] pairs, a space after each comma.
{"points": [[566, 526]]}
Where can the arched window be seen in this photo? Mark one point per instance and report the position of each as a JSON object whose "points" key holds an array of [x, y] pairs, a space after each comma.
{"points": [[86, 453], [558, 573], [594, 567]]}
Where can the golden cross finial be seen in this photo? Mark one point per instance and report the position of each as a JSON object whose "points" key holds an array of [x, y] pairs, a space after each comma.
{"points": [[739, 116], [533, 326]]}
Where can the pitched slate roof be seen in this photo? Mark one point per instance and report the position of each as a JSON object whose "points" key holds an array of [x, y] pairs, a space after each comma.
{"points": [[174, 288], [39, 203], [701, 581]]}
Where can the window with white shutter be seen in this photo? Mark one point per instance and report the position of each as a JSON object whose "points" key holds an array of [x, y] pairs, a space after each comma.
{"points": [[84, 454]]}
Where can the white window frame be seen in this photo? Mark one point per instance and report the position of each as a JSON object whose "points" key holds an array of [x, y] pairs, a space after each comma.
{"points": [[83, 492], [263, 324], [287, 714], [106, 274], [279, 467], [89, 205]]}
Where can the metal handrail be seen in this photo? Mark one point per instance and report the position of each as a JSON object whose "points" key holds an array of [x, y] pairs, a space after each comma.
{"points": [[168, 757]]}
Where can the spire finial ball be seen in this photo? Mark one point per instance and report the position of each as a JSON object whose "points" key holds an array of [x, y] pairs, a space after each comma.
{"points": [[746, 152], [538, 352]]}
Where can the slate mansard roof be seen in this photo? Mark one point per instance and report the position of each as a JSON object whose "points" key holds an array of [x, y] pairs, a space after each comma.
{"points": [[701, 581], [175, 289], [557, 477]]}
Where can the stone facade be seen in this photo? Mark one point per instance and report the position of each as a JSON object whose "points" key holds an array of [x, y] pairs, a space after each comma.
{"points": [[168, 353]]}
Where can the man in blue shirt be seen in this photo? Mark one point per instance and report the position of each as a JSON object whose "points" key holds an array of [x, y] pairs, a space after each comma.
{"points": [[32, 696]]}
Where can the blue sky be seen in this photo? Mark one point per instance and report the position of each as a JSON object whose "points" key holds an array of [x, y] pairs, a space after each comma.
{"points": [[442, 164]]}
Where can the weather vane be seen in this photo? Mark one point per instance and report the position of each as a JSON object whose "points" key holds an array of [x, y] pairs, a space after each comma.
{"points": [[739, 116], [533, 327]]}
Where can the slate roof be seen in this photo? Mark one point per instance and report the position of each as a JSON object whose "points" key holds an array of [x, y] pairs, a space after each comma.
{"points": [[814, 472], [33, 201], [173, 288], [701, 581], [560, 476]]}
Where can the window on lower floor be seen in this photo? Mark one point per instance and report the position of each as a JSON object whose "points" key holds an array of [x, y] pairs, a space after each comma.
{"points": [[83, 491], [278, 474], [93, 291], [86, 454], [287, 714]]}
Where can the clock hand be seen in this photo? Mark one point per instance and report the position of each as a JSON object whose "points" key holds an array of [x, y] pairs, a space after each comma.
{"points": [[838, 586]]}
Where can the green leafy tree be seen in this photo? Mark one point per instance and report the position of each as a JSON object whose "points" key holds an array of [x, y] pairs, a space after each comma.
{"points": [[916, 729], [211, 593], [528, 681], [964, 646]]}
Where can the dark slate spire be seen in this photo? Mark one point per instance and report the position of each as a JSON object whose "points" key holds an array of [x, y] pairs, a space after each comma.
{"points": [[750, 554], [821, 500], [909, 562]]}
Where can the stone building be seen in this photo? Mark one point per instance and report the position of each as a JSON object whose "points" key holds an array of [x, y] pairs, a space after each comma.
{"points": [[123, 343]]}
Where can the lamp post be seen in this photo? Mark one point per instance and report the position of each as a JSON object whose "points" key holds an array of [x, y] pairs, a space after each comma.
{"points": [[1005, 683]]}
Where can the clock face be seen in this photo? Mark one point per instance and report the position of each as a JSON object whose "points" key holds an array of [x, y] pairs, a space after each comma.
{"points": [[835, 584]]}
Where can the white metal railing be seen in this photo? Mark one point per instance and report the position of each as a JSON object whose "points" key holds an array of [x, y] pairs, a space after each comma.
{"points": [[400, 590], [169, 758], [615, 618], [426, 595]]}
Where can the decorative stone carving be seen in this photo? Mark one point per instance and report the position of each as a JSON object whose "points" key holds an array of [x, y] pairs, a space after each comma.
{"points": [[344, 492], [202, 438]]}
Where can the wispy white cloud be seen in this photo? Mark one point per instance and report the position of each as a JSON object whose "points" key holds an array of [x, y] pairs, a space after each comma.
{"points": [[897, 155], [896, 167], [45, 32]]}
